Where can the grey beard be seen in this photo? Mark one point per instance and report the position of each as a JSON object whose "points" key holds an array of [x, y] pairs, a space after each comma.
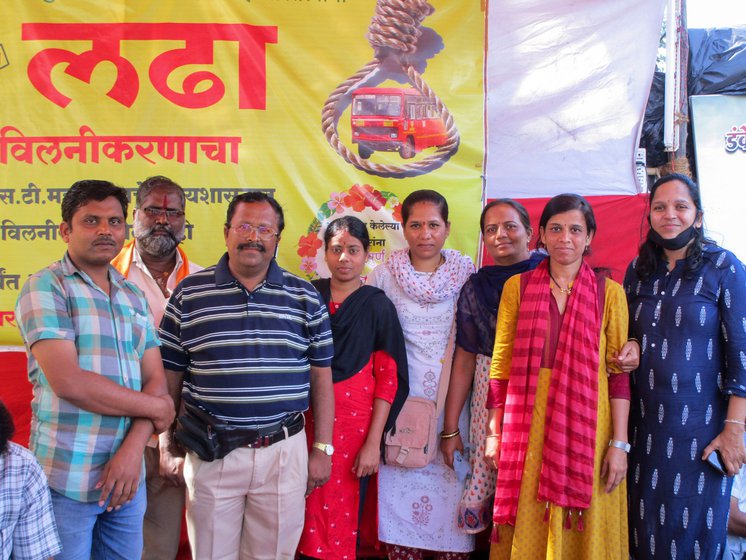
{"points": [[157, 246]]}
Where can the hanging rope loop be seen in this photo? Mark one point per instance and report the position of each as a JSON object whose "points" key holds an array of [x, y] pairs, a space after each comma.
{"points": [[396, 25], [394, 32]]}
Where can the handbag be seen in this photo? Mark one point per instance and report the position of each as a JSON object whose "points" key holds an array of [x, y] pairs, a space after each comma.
{"points": [[413, 441]]}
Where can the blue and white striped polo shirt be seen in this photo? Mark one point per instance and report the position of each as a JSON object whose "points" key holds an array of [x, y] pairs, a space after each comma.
{"points": [[246, 356]]}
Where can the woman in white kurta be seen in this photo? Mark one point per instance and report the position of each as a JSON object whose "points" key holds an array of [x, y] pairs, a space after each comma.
{"points": [[417, 507]]}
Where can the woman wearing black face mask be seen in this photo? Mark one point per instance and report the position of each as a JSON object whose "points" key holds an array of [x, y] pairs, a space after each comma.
{"points": [[688, 311]]}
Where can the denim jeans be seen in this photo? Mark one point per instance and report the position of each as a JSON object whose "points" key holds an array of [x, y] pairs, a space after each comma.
{"points": [[88, 531]]}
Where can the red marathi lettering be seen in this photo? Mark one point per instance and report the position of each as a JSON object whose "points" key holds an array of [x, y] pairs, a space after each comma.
{"points": [[7, 318], [199, 38], [88, 146]]}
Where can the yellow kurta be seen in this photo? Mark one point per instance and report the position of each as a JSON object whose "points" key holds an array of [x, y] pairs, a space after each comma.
{"points": [[605, 522]]}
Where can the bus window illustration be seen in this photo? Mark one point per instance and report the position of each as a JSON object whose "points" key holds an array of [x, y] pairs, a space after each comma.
{"points": [[395, 120]]}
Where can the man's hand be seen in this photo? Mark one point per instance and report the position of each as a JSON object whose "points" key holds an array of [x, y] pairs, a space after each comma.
{"points": [[319, 469], [171, 467], [163, 415], [121, 477], [322, 409]]}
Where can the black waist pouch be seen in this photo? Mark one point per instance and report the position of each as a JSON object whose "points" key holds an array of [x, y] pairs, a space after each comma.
{"points": [[198, 432]]}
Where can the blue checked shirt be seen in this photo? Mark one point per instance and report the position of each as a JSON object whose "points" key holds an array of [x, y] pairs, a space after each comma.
{"points": [[27, 527], [111, 334]]}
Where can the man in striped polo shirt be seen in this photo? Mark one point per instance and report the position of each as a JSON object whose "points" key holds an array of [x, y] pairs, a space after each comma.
{"points": [[246, 344]]}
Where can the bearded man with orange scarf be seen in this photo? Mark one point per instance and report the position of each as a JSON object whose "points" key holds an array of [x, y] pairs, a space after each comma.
{"points": [[154, 261]]}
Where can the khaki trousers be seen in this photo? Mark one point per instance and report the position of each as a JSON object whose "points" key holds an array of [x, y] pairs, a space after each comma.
{"points": [[248, 505], [161, 527]]}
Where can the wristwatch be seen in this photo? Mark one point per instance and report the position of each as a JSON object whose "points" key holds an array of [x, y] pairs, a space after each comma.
{"points": [[623, 445], [326, 448]]}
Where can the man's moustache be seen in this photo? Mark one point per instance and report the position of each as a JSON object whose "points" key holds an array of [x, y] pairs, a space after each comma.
{"points": [[257, 246], [165, 229]]}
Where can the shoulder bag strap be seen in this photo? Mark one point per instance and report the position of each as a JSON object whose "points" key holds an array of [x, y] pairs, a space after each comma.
{"points": [[445, 372]]}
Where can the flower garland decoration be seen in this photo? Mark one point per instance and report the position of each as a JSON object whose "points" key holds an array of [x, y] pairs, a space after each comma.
{"points": [[356, 199]]}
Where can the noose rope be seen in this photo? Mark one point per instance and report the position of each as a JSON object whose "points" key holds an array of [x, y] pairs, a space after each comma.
{"points": [[394, 31]]}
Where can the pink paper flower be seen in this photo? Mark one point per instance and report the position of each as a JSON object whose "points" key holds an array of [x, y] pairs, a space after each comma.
{"points": [[308, 265], [337, 202]]}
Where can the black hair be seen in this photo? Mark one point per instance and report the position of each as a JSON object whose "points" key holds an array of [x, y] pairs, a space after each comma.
{"points": [[424, 195], [82, 192], [514, 204], [651, 253], [7, 428], [157, 181], [567, 202], [253, 197], [352, 225]]}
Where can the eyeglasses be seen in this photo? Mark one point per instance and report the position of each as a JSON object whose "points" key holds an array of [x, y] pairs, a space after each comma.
{"points": [[262, 232], [158, 212]]}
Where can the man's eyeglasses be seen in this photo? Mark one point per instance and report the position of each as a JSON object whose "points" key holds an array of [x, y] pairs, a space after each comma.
{"points": [[262, 232], [154, 212]]}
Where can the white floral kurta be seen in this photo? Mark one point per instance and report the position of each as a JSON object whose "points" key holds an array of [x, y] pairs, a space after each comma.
{"points": [[418, 507]]}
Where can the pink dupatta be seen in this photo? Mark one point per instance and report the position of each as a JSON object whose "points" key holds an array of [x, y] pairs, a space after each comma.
{"points": [[566, 477]]}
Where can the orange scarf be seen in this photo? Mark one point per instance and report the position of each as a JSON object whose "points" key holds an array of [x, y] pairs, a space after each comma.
{"points": [[123, 261]]}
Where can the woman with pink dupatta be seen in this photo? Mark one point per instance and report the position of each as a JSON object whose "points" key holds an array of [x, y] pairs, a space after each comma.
{"points": [[417, 507], [557, 423]]}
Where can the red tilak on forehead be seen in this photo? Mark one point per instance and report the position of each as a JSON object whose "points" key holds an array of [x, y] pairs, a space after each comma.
{"points": [[165, 201]]}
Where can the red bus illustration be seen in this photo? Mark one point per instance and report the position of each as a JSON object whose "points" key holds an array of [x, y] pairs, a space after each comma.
{"points": [[394, 120]]}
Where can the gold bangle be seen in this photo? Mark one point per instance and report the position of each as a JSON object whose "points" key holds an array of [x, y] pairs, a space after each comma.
{"points": [[444, 435], [729, 421], [493, 435]]}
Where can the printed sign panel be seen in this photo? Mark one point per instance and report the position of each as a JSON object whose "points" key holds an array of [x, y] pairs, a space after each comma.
{"points": [[315, 103], [719, 124]]}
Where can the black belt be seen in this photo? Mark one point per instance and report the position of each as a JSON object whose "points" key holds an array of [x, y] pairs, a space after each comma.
{"points": [[262, 437]]}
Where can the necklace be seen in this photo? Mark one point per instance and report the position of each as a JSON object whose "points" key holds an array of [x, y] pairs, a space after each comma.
{"points": [[562, 290]]}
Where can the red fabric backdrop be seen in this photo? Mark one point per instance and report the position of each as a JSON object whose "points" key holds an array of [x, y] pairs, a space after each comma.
{"points": [[15, 392], [621, 226]]}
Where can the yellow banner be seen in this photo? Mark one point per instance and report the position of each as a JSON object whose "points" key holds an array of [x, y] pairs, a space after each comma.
{"points": [[228, 96]]}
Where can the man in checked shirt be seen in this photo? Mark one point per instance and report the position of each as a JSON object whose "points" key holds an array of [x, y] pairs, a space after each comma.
{"points": [[99, 387]]}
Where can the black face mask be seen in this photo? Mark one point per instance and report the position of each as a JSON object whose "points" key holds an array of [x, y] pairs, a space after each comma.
{"points": [[678, 242]]}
